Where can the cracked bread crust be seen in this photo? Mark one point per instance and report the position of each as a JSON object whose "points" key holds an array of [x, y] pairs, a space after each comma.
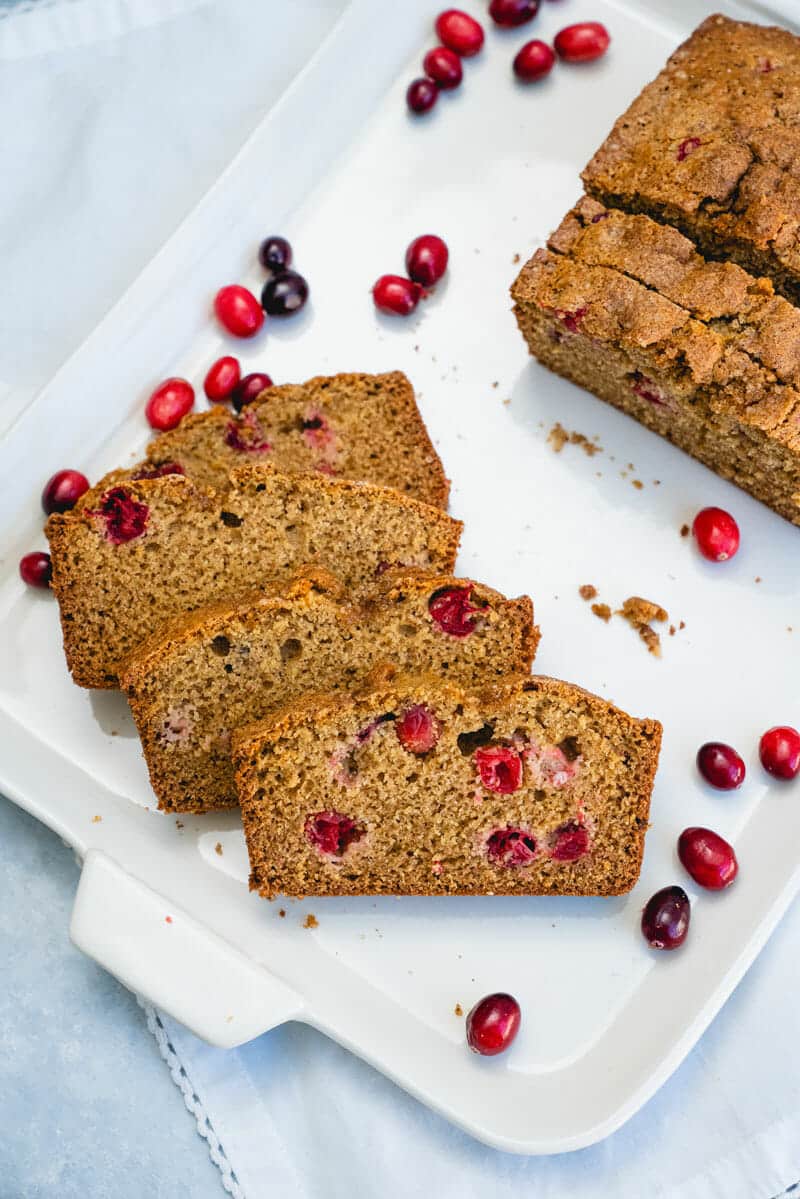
{"points": [[712, 146]]}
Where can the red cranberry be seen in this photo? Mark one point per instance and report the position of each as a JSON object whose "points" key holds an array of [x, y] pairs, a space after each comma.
{"points": [[169, 403], [665, 919], [158, 472], [332, 832], [249, 388], [687, 147], [511, 847], [493, 1024], [284, 294], [421, 96], [583, 42], [36, 569], [238, 310], [426, 259], [443, 66], [533, 61], [396, 294], [510, 13], [418, 729], [222, 377], [500, 768], [63, 491], [708, 857], [452, 609], [571, 842], [720, 765], [125, 517], [716, 534], [275, 254], [460, 32], [779, 750]]}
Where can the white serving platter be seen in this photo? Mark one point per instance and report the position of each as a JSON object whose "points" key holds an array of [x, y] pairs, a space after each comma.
{"points": [[350, 178]]}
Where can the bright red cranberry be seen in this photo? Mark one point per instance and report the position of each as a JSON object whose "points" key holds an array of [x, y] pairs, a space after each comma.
{"points": [[421, 96], [583, 42], [500, 768], [332, 833], [716, 534], [493, 1024], [169, 403], [275, 254], [687, 147], [665, 919], [249, 388], [238, 310], [426, 259], [510, 13], [720, 765], [779, 750], [284, 294], [222, 377], [63, 491], [36, 569], [453, 610], [708, 857], [418, 729], [533, 61], [396, 295], [443, 66], [460, 32], [571, 842], [125, 517], [511, 847]]}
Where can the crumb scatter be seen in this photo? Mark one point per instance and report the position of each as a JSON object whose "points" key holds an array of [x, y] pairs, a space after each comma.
{"points": [[602, 611], [96, 819], [311, 921], [458, 1010], [587, 591], [218, 848]]}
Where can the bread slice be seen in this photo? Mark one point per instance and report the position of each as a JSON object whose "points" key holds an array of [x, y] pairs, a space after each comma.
{"points": [[130, 558], [419, 787], [349, 426], [221, 667]]}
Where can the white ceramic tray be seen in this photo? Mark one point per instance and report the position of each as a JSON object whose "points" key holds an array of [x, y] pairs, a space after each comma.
{"points": [[350, 178]]}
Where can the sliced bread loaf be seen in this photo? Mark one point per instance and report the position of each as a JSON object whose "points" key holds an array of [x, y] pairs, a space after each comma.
{"points": [[418, 787], [131, 557], [209, 672]]}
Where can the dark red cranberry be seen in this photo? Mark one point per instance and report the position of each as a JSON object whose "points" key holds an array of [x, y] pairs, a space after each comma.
{"points": [[583, 42], [284, 294], [500, 768], [493, 1024], [169, 403], [533, 61], [275, 254], [421, 96], [716, 534], [396, 295], [246, 435], [36, 569], [708, 857], [460, 32], [418, 729], [158, 472], [238, 310], [222, 377], [571, 842], [511, 847], [510, 13], [63, 491], [249, 388], [426, 259], [665, 919], [687, 147], [443, 66], [779, 750], [453, 610], [640, 385], [124, 516], [332, 833], [720, 765]]}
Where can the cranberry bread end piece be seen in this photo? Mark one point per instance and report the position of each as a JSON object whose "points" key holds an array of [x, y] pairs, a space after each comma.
{"points": [[221, 667], [701, 352], [136, 555], [419, 787]]}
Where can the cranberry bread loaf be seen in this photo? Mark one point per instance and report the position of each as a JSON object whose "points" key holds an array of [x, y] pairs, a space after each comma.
{"points": [[229, 665], [362, 427], [418, 787], [712, 146], [130, 558], [701, 352]]}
